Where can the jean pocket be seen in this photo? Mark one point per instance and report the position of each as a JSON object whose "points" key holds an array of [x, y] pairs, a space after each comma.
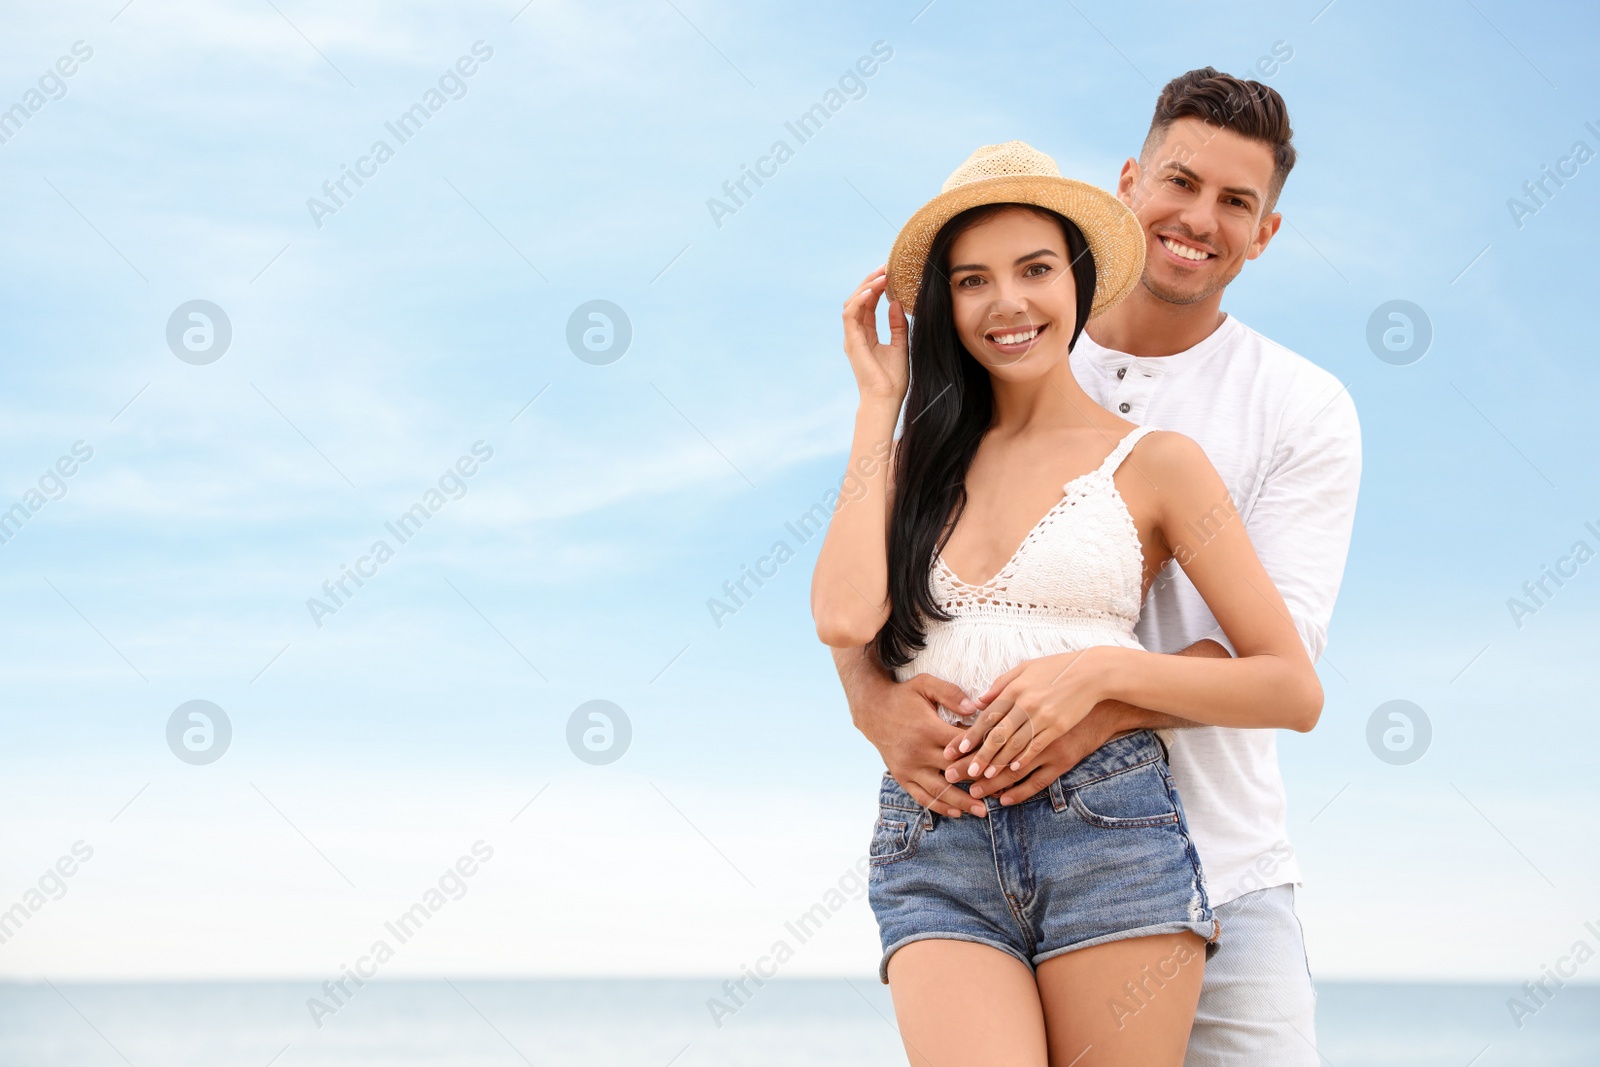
{"points": [[893, 837], [1128, 800]]}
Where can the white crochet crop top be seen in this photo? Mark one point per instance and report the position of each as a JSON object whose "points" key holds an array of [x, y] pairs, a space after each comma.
{"points": [[1075, 581]]}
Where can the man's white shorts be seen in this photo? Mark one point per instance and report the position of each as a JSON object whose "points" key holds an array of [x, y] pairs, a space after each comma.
{"points": [[1257, 1004]]}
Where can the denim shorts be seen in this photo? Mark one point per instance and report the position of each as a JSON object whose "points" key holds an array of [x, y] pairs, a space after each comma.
{"points": [[1102, 854]]}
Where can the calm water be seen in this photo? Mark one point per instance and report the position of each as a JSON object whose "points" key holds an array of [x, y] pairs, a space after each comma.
{"points": [[653, 1023]]}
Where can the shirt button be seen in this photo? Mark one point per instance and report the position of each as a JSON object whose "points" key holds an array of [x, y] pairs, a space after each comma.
{"points": [[1122, 372], [1124, 407]]}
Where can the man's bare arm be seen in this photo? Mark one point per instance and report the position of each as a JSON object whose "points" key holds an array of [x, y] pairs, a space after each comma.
{"points": [[864, 679], [902, 722]]}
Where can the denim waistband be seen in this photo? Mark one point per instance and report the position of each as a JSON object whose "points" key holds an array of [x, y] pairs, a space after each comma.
{"points": [[1119, 754]]}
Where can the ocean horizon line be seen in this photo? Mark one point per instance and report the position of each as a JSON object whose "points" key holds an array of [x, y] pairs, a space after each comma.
{"points": [[853, 976]]}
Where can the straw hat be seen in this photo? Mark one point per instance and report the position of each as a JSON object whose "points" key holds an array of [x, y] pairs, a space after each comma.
{"points": [[1018, 173]]}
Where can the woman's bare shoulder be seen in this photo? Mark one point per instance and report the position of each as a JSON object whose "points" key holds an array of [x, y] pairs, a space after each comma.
{"points": [[1174, 460], [1170, 447]]}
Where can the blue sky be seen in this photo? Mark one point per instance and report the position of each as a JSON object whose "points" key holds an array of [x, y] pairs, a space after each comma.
{"points": [[371, 351]]}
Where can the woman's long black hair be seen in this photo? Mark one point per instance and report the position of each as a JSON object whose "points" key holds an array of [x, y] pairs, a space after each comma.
{"points": [[949, 407]]}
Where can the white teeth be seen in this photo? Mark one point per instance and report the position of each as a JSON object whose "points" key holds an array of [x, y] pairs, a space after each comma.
{"points": [[1184, 250], [1015, 338]]}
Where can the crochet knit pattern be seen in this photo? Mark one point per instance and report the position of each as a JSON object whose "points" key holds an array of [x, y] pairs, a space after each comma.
{"points": [[1075, 581]]}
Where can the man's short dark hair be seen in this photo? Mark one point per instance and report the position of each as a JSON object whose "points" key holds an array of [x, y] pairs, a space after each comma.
{"points": [[1248, 108]]}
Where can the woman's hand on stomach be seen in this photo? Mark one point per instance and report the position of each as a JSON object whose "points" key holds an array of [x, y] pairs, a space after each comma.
{"points": [[1026, 709]]}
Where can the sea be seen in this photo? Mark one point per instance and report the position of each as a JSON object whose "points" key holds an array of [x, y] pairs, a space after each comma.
{"points": [[836, 1022]]}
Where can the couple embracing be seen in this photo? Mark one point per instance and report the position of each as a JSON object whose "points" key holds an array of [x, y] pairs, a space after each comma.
{"points": [[1086, 590]]}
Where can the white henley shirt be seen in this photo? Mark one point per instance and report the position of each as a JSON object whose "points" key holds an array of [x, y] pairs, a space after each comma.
{"points": [[1283, 434]]}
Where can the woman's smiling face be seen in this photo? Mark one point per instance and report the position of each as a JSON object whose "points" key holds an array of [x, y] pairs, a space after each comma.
{"points": [[1012, 293]]}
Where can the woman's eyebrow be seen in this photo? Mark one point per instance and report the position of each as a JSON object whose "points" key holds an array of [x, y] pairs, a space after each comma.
{"points": [[1020, 260]]}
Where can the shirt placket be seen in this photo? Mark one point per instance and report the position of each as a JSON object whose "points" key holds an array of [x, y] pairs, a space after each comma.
{"points": [[1133, 386]]}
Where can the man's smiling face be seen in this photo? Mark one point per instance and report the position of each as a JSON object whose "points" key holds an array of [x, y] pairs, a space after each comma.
{"points": [[1201, 197]]}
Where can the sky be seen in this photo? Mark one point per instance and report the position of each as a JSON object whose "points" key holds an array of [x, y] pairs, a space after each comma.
{"points": [[596, 481]]}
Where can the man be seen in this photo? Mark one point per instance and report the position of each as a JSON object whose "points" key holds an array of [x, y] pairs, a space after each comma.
{"points": [[1283, 434]]}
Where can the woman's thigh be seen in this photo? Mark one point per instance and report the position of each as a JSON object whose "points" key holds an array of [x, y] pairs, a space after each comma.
{"points": [[995, 1019], [1129, 1002]]}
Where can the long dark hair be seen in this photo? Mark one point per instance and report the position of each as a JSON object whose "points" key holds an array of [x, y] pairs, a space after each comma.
{"points": [[949, 407]]}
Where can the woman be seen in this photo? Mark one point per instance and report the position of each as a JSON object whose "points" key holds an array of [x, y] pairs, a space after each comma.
{"points": [[1071, 928]]}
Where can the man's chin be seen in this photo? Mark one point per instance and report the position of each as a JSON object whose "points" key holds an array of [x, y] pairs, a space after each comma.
{"points": [[1169, 295], [1191, 293]]}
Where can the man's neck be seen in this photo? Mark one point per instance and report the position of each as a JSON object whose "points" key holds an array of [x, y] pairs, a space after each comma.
{"points": [[1145, 325]]}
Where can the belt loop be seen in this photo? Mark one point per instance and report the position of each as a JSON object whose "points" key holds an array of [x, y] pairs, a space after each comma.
{"points": [[1058, 796], [1166, 753]]}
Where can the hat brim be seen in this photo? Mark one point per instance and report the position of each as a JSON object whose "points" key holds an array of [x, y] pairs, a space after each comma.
{"points": [[1116, 240]]}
